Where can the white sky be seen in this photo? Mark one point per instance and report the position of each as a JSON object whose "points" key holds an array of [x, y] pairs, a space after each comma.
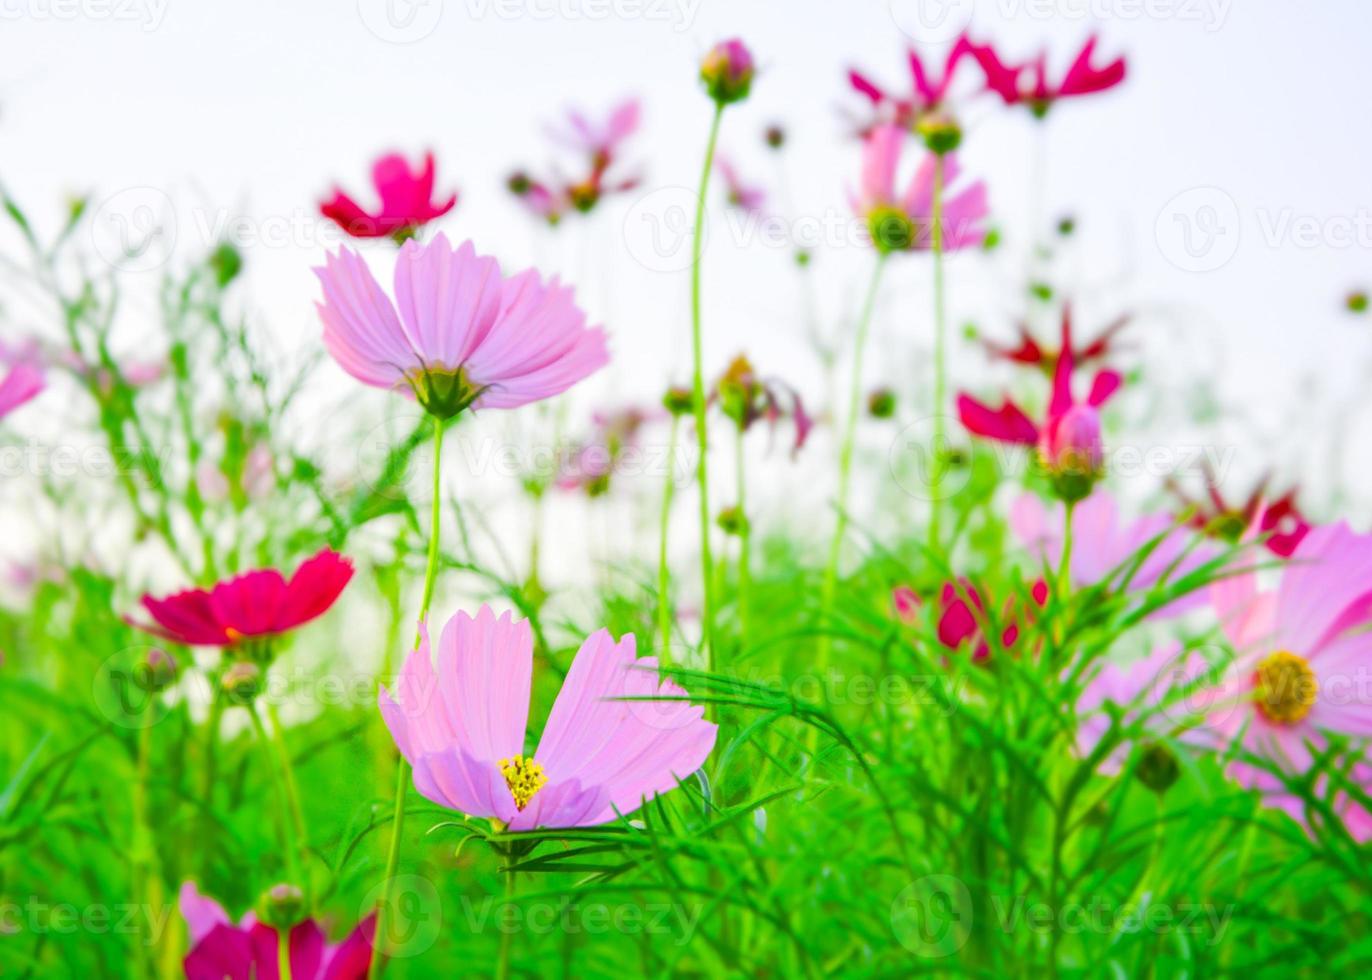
{"points": [[256, 107]]}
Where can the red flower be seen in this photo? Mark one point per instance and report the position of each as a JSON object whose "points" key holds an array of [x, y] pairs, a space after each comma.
{"points": [[1035, 91], [406, 201], [256, 603], [929, 91], [1280, 521], [1030, 352], [958, 624]]}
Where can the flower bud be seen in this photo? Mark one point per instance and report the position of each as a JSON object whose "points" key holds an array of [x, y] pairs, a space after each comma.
{"points": [[679, 401], [242, 682], [732, 520], [940, 132], [892, 230], [1357, 302], [156, 672], [775, 136], [727, 71], [518, 183], [281, 906], [1158, 769], [881, 403], [906, 603], [1073, 452]]}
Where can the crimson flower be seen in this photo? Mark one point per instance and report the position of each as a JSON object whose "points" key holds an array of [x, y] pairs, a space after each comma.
{"points": [[959, 625], [1280, 521], [259, 603], [1028, 351], [1027, 84], [406, 201], [928, 94]]}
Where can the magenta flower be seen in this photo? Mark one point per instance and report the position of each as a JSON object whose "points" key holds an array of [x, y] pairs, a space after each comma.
{"points": [[1281, 525], [746, 197], [1028, 351], [1302, 651], [1104, 551], [1068, 440], [406, 201], [461, 726], [457, 333], [928, 95], [248, 950], [902, 222], [1035, 91], [256, 604], [20, 384]]}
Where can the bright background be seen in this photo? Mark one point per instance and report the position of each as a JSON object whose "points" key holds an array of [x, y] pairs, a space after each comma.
{"points": [[1234, 119]]}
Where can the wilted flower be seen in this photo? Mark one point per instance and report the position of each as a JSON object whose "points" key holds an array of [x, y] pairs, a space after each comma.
{"points": [[899, 223], [746, 397], [406, 201], [249, 949], [606, 749], [727, 71], [457, 335], [1280, 522], [253, 605], [1035, 91]]}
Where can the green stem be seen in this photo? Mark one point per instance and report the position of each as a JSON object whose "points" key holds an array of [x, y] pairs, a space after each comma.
{"points": [[1065, 564], [283, 953], [745, 537], [845, 457], [283, 757], [664, 605], [502, 971], [278, 781], [402, 768], [938, 454], [698, 398]]}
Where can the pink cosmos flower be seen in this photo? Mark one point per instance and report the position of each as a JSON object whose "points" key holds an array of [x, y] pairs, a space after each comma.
{"points": [[746, 197], [1303, 665], [617, 432], [1104, 551], [406, 201], [457, 334], [600, 142], [1035, 91], [248, 950], [255, 604], [20, 384], [461, 726], [906, 221], [928, 95], [1028, 351], [1069, 435]]}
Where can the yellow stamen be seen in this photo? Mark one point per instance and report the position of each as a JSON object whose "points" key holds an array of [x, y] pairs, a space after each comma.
{"points": [[1286, 687], [524, 777]]}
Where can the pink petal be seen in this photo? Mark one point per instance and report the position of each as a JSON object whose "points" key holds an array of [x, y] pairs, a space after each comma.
{"points": [[447, 298], [361, 329]]}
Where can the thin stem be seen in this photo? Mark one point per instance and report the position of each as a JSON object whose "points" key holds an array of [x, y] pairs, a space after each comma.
{"points": [[503, 966], [283, 953], [745, 536], [845, 457], [937, 450], [402, 768], [698, 399], [664, 605], [1065, 564], [283, 757], [278, 781]]}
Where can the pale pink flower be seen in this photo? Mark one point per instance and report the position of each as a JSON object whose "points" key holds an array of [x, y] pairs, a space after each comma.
{"points": [[600, 141], [900, 221], [20, 384], [1105, 550], [1303, 665], [604, 751], [457, 334]]}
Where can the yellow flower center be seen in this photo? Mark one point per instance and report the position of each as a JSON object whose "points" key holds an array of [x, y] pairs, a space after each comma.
{"points": [[1286, 687], [524, 777]]}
